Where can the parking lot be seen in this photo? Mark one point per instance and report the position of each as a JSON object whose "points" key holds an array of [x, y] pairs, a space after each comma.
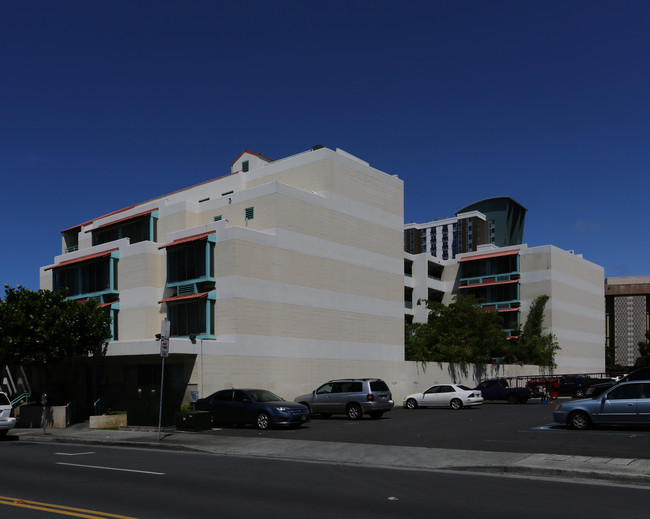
{"points": [[490, 427]]}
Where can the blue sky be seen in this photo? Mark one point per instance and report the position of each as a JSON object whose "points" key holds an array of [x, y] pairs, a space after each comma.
{"points": [[107, 104]]}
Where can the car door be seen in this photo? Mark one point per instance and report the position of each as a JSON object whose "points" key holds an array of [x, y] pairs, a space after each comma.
{"points": [[342, 393], [619, 405], [431, 397], [322, 401], [348, 392], [643, 405], [220, 405], [445, 395], [242, 410]]}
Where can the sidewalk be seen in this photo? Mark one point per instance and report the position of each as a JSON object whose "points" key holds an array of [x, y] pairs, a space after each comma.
{"points": [[631, 471]]}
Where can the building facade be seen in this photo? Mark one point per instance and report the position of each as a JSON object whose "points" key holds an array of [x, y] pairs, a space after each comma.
{"points": [[497, 221], [627, 300], [278, 264], [507, 280]]}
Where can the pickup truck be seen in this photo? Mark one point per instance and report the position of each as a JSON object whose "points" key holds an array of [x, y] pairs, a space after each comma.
{"points": [[499, 389]]}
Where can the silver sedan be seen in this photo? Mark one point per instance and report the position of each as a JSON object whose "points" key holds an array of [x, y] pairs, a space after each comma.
{"points": [[444, 395]]}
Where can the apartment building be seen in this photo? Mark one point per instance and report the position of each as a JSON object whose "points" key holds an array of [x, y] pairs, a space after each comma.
{"points": [[507, 280], [279, 272], [498, 221], [627, 300]]}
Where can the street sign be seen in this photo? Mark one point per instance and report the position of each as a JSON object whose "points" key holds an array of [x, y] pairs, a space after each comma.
{"points": [[164, 346]]}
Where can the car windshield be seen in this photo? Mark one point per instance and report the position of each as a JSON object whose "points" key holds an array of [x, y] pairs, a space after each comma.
{"points": [[465, 388], [262, 395]]}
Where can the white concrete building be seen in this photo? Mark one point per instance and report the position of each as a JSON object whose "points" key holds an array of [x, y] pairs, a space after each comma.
{"points": [[508, 279], [280, 272]]}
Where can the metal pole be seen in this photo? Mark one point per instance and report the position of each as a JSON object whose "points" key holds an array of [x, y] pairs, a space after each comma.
{"points": [[44, 402], [162, 378]]}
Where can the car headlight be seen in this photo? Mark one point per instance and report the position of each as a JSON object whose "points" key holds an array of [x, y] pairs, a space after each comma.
{"points": [[558, 407], [283, 409]]}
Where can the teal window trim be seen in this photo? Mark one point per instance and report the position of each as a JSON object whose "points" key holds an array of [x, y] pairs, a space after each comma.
{"points": [[249, 213], [153, 218]]}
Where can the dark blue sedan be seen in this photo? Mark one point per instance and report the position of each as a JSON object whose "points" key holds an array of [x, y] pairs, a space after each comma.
{"points": [[253, 406], [624, 404]]}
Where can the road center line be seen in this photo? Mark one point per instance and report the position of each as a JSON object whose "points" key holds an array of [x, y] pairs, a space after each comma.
{"points": [[59, 509], [111, 468]]}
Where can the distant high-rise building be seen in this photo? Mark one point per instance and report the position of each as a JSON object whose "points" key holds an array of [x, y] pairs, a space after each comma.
{"points": [[627, 305], [496, 221], [504, 218]]}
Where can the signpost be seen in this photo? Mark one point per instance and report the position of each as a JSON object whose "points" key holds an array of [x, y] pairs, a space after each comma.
{"points": [[165, 329]]}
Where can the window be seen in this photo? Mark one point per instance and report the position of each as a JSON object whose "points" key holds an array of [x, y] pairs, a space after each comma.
{"points": [[189, 317], [244, 166], [625, 392], [249, 213], [325, 389], [86, 278], [217, 218], [188, 262], [136, 230]]}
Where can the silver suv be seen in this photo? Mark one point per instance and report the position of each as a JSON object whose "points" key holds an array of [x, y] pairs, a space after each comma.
{"points": [[353, 397], [7, 420]]}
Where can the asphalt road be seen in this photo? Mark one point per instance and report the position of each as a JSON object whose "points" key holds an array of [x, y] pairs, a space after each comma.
{"points": [[48, 480], [491, 427]]}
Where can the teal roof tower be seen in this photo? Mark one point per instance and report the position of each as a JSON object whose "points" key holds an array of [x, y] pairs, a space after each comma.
{"points": [[504, 218]]}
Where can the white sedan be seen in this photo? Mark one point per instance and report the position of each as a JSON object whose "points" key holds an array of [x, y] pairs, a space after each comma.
{"points": [[444, 395], [7, 419]]}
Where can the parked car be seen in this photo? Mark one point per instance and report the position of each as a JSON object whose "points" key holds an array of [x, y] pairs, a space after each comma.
{"points": [[598, 389], [253, 406], [627, 403], [445, 395], [500, 389], [7, 419], [353, 397], [639, 374]]}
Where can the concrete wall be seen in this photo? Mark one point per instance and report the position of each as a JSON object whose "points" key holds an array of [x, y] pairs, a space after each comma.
{"points": [[292, 377], [575, 312]]}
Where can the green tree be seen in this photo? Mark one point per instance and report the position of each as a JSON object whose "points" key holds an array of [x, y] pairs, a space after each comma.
{"points": [[39, 328], [461, 332], [534, 345], [644, 351]]}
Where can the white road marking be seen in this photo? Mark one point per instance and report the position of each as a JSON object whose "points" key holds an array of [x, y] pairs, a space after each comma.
{"points": [[74, 453], [111, 468]]}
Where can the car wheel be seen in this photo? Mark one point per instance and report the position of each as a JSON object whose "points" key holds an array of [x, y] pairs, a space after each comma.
{"points": [[3, 432], [456, 404], [579, 420], [411, 404], [354, 411], [376, 415], [263, 421], [513, 399], [580, 393]]}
